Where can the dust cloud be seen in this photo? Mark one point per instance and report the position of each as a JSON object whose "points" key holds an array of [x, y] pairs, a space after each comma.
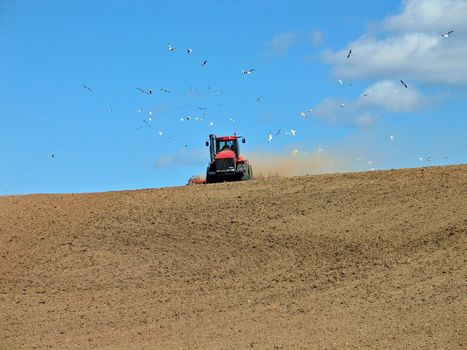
{"points": [[296, 163]]}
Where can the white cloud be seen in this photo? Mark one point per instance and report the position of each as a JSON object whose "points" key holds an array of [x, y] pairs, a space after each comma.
{"points": [[365, 119], [429, 15], [392, 96], [281, 43], [344, 112], [184, 157], [413, 49], [380, 98], [316, 38]]}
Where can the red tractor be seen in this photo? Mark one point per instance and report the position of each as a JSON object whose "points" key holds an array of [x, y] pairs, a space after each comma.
{"points": [[226, 162]]}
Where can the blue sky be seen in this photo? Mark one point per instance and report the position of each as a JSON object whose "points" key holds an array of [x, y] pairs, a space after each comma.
{"points": [[358, 116]]}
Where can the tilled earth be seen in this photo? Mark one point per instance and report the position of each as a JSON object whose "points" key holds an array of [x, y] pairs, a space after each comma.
{"points": [[344, 261]]}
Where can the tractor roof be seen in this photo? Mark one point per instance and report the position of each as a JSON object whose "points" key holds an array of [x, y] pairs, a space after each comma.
{"points": [[228, 138]]}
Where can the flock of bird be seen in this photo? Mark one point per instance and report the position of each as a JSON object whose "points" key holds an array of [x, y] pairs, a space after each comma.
{"points": [[291, 132], [165, 90]]}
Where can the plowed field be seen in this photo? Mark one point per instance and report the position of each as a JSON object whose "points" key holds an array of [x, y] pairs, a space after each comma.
{"points": [[372, 260]]}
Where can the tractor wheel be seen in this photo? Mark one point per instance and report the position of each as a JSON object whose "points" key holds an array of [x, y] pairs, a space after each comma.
{"points": [[209, 178], [246, 173]]}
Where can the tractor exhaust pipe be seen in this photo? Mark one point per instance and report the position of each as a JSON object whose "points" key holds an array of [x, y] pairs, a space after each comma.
{"points": [[212, 147]]}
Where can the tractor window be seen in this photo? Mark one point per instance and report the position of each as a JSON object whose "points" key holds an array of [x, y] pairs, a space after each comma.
{"points": [[233, 147], [223, 145]]}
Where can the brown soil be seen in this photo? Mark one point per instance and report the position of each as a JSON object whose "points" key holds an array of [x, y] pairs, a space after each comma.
{"points": [[345, 261]]}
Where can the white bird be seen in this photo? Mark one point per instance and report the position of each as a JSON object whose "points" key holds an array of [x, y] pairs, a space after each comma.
{"points": [[310, 110], [370, 162], [160, 133], [428, 159], [340, 82], [188, 117], [294, 152], [149, 119], [182, 119], [269, 137], [232, 120], [248, 71], [319, 150], [420, 159], [293, 132], [211, 124], [170, 47], [392, 138], [446, 35], [139, 110], [302, 114], [189, 50], [165, 90], [342, 105]]}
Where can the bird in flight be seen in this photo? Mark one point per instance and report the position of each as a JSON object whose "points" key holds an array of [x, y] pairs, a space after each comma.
{"points": [[52, 155], [170, 47], [340, 81], [446, 35], [165, 90], [269, 137], [404, 84], [204, 62], [189, 50], [248, 71], [148, 92], [259, 98], [86, 87], [350, 52]]}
